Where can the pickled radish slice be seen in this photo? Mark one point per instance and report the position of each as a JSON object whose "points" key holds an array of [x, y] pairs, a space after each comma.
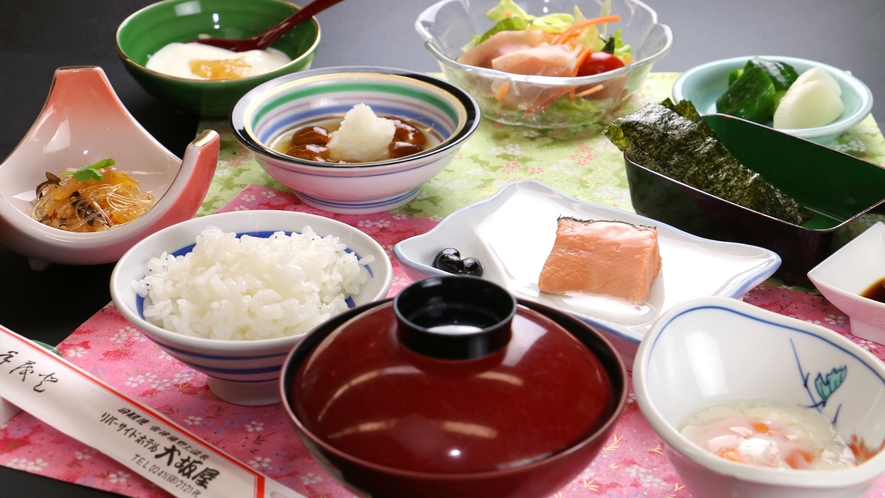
{"points": [[819, 73], [814, 102]]}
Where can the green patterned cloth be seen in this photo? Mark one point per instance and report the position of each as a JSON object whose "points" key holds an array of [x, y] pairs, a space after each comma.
{"points": [[579, 163]]}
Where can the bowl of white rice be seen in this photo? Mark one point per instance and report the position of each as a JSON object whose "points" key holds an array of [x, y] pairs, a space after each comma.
{"points": [[366, 182], [231, 294]]}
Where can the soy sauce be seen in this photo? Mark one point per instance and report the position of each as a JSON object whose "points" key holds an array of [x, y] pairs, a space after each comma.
{"points": [[876, 292], [310, 141]]}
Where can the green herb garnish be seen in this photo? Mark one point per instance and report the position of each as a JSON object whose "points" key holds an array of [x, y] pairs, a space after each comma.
{"points": [[609, 45], [90, 172]]}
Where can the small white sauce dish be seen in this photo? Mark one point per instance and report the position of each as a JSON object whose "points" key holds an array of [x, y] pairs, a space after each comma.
{"points": [[83, 121], [713, 350], [848, 273]]}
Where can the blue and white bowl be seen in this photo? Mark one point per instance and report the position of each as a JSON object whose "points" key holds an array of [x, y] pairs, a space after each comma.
{"points": [[710, 350], [240, 371], [285, 102]]}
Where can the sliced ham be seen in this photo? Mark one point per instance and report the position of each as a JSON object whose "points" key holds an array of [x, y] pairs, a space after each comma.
{"points": [[501, 43], [543, 60], [602, 257], [527, 53]]}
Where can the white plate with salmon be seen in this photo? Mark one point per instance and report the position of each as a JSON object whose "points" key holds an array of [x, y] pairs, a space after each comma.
{"points": [[513, 233]]}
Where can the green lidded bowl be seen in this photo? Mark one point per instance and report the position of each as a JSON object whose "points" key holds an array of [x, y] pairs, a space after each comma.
{"points": [[155, 26]]}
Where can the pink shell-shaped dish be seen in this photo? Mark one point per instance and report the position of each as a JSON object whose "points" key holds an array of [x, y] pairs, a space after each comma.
{"points": [[83, 121]]}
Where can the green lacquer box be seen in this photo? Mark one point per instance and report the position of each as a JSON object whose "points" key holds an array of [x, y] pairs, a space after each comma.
{"points": [[836, 187]]}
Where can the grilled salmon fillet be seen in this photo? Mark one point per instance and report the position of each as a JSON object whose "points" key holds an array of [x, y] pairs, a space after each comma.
{"points": [[603, 257]]}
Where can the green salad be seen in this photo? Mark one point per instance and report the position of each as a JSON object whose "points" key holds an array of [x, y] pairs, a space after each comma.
{"points": [[564, 45]]}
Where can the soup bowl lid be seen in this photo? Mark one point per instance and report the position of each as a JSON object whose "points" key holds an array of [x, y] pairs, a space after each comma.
{"points": [[452, 376]]}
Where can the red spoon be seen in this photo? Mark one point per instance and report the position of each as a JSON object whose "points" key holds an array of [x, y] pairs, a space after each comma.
{"points": [[265, 39]]}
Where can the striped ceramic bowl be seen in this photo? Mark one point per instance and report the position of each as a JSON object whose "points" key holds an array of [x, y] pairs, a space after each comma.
{"points": [[293, 100], [239, 371]]}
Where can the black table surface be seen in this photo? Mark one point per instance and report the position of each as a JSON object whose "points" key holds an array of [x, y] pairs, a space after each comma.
{"points": [[38, 36]]}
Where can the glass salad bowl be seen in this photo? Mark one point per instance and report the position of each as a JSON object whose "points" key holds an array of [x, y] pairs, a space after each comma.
{"points": [[545, 101]]}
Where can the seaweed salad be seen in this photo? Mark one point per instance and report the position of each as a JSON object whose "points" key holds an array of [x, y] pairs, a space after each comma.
{"points": [[675, 141]]}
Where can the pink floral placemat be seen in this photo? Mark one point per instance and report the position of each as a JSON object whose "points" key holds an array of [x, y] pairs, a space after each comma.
{"points": [[631, 464]]}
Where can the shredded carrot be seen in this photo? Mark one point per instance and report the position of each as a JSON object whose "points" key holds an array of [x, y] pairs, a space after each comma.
{"points": [[590, 90], [576, 28], [799, 459], [761, 427], [582, 56], [502, 92]]}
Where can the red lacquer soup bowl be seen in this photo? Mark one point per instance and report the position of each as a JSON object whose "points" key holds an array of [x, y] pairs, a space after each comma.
{"points": [[454, 388]]}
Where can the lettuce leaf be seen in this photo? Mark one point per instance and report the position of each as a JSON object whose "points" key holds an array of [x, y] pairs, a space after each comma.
{"points": [[506, 24], [505, 9], [553, 23], [622, 50], [580, 110], [511, 17]]}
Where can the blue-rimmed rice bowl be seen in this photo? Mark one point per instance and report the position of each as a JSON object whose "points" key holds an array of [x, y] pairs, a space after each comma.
{"points": [[240, 371], [286, 102]]}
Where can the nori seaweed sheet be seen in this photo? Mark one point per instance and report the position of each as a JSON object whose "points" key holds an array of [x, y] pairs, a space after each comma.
{"points": [[673, 140]]}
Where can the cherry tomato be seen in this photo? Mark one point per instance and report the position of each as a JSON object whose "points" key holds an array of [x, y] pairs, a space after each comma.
{"points": [[599, 62]]}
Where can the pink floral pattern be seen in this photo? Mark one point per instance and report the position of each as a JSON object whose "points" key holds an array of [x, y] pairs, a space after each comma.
{"points": [[581, 164], [631, 464]]}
